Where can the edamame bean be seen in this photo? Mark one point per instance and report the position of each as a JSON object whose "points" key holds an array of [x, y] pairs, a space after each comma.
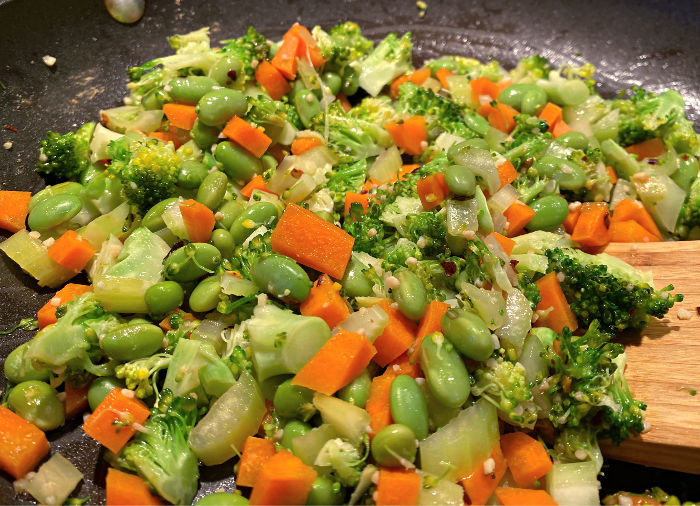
{"points": [[104, 192], [468, 333], [87, 175], [153, 219], [294, 401], [293, 428], [191, 174], [130, 342], [237, 163], [687, 171], [268, 162], [307, 106], [229, 211], [189, 90], [550, 212], [261, 213], [66, 188], [408, 405], [357, 391], [212, 190], [54, 211], [18, 369], [282, 277], [351, 81], [569, 175], [205, 295], [191, 261], [222, 499], [164, 297], [394, 444], [297, 86], [38, 403], [460, 180], [355, 281], [528, 98], [575, 140], [223, 240], [332, 83], [324, 491], [480, 125], [445, 373], [228, 71], [100, 388], [204, 135], [218, 106], [410, 295]]}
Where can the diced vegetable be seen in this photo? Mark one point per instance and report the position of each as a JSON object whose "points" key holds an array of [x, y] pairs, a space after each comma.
{"points": [[22, 444], [350, 421], [112, 423], [33, 257], [284, 479], [524, 497], [53, 482], [397, 487], [527, 458], [560, 315], [397, 336], [71, 251], [480, 483], [256, 453], [47, 314], [128, 489], [325, 302], [574, 483], [14, 207]]}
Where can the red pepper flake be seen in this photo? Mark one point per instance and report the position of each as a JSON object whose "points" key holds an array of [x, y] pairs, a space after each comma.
{"points": [[450, 268], [10, 128]]}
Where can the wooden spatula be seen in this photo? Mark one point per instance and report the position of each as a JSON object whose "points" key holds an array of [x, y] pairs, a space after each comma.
{"points": [[663, 366]]}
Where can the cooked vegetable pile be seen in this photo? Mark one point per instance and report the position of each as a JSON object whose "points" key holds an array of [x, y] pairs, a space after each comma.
{"points": [[350, 279]]}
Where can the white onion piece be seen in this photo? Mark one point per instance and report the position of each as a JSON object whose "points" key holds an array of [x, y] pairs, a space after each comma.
{"points": [[623, 190], [386, 166], [489, 304], [126, 11], [503, 198], [462, 216], [482, 164]]}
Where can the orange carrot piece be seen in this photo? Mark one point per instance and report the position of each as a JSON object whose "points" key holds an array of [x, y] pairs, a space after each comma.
{"points": [[394, 86], [403, 365], [571, 219], [405, 170], [199, 220], [560, 128], [308, 49], [432, 190], [165, 322], [510, 496], [344, 102], [527, 458], [312, 241], [612, 174], [397, 487], [442, 75], [378, 402], [125, 489], [419, 76], [271, 80], [285, 59], [180, 115], [76, 401], [506, 173], [506, 242], [14, 207], [483, 86], [22, 444], [284, 479], [110, 424], [339, 361], [630, 231], [551, 114], [47, 314], [553, 297], [303, 144], [508, 114], [628, 209], [650, 148], [252, 139], [478, 485], [256, 452], [325, 302], [71, 251], [591, 229], [410, 134], [429, 323], [397, 336], [518, 215], [257, 183], [361, 198]]}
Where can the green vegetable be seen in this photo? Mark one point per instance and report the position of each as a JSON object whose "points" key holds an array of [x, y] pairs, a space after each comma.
{"points": [[230, 210], [550, 212], [357, 391], [222, 499], [445, 373], [356, 281], [410, 295], [54, 211], [223, 241], [205, 295], [66, 156], [132, 341], [18, 368], [282, 277], [324, 492], [292, 429], [238, 164], [204, 135], [141, 375], [252, 217], [460, 180], [153, 219], [228, 71], [216, 107], [389, 59], [191, 262], [528, 98], [38, 403], [293, 401], [191, 174], [189, 90], [307, 106], [408, 406], [394, 445], [164, 297], [212, 189], [468, 333], [100, 388]]}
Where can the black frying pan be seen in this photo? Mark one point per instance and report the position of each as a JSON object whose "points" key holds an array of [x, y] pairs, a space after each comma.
{"points": [[631, 42]]}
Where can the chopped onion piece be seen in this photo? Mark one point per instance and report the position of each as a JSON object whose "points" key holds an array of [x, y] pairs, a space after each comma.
{"points": [[370, 322], [503, 198], [462, 216], [482, 164], [54, 481], [232, 285], [387, 165]]}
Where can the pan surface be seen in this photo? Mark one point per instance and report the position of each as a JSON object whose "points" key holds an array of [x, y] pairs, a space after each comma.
{"points": [[653, 44]]}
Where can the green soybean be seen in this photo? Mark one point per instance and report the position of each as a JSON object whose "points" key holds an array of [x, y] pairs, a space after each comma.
{"points": [[307, 106], [205, 295], [332, 83], [468, 333], [100, 388], [223, 240], [550, 212], [191, 174], [297, 86], [164, 297], [191, 261], [218, 106], [394, 444], [294, 401], [261, 213], [54, 211], [357, 391], [574, 140], [153, 219], [130, 342], [237, 163], [229, 211], [222, 499], [410, 295], [38, 403], [355, 282], [228, 71], [460, 180], [480, 125], [189, 90], [687, 171], [351, 81], [204, 135], [282, 277], [569, 175], [408, 405], [324, 491], [212, 190], [17, 368], [528, 98], [268, 161], [65, 188], [445, 373], [293, 428]]}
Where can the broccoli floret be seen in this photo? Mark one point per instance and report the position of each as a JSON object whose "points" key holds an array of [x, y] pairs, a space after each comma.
{"points": [[147, 167], [529, 185], [376, 110], [239, 361], [598, 186], [531, 68], [503, 384], [577, 444], [250, 50], [161, 454], [342, 44], [456, 64], [344, 459], [141, 375], [369, 231], [607, 289], [180, 41], [625, 416], [346, 178], [66, 156], [690, 215], [530, 139], [529, 289], [243, 259], [390, 59], [431, 227]]}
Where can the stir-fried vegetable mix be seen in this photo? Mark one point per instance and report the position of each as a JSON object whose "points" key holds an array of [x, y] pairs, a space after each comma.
{"points": [[350, 279]]}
